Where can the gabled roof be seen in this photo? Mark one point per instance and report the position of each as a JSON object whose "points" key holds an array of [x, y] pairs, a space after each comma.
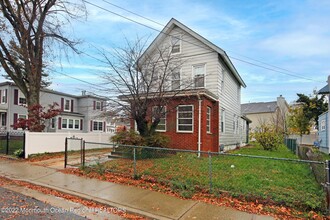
{"points": [[324, 90], [169, 27], [258, 107]]}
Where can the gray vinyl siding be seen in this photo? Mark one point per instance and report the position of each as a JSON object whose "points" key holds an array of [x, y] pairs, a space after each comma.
{"points": [[229, 99]]}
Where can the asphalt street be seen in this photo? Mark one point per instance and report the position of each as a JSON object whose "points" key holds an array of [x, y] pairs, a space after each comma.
{"points": [[14, 205]]}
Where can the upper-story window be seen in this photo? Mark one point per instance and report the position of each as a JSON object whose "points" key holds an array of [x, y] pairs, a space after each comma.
{"points": [[175, 83], [21, 98], [67, 105], [4, 96], [98, 105], [199, 75], [176, 44]]}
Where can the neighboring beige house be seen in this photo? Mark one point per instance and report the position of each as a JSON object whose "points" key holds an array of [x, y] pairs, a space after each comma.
{"points": [[266, 113]]}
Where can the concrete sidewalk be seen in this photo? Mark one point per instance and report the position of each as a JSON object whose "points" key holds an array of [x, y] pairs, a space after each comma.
{"points": [[132, 199]]}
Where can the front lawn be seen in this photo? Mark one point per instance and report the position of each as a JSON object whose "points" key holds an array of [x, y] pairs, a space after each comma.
{"points": [[272, 181]]}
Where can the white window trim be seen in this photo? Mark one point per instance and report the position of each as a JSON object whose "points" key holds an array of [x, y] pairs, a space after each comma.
{"points": [[53, 123], [4, 95], [67, 110], [98, 102], [22, 116], [177, 120], [223, 121], [21, 96], [193, 74], [323, 125], [208, 119], [67, 124], [98, 121], [178, 36], [180, 73], [161, 118]]}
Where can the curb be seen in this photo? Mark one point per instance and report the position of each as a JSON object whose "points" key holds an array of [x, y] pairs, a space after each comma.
{"points": [[128, 209]]}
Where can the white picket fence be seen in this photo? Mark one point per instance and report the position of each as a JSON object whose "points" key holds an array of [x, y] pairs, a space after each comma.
{"points": [[44, 142]]}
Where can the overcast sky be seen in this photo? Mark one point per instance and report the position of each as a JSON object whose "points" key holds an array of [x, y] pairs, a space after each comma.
{"points": [[279, 47]]}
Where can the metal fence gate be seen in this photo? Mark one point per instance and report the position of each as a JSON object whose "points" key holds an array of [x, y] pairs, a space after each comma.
{"points": [[74, 152], [11, 142]]}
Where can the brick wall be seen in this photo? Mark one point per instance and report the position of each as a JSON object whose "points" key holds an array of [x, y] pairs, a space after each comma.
{"points": [[189, 141]]}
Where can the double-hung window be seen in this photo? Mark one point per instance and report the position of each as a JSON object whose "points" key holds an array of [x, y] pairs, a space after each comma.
{"points": [[67, 105], [176, 44], [4, 96], [176, 79], [323, 125], [97, 126], [199, 75], [161, 113], [185, 118], [208, 120], [223, 120]]}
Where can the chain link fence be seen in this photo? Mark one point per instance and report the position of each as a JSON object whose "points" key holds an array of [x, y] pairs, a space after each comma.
{"points": [[287, 181]]}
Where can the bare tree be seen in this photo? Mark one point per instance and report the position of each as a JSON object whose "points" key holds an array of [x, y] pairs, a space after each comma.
{"points": [[27, 28], [141, 80]]}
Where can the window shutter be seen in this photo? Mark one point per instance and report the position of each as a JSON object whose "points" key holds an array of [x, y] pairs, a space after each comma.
{"points": [[15, 96], [62, 104], [6, 93], [1, 96], [91, 129], [104, 124], [81, 124], [59, 123], [15, 119], [94, 105], [71, 105], [101, 106]]}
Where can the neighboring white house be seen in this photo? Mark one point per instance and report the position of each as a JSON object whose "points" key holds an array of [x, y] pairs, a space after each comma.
{"points": [[78, 113]]}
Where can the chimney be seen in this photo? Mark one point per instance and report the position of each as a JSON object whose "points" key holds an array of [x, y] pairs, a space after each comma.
{"points": [[83, 93]]}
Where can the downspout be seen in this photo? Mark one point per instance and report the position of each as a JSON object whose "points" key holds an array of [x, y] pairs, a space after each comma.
{"points": [[199, 123]]}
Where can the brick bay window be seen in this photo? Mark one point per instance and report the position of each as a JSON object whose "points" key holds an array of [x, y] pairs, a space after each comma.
{"points": [[199, 75], [185, 118], [161, 111]]}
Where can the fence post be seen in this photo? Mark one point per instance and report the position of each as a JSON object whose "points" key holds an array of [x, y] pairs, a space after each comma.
{"points": [[66, 152], [7, 143], [83, 152], [327, 184], [134, 162], [24, 136], [210, 170]]}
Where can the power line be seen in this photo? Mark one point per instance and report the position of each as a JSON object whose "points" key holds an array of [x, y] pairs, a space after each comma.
{"points": [[148, 19], [287, 72]]}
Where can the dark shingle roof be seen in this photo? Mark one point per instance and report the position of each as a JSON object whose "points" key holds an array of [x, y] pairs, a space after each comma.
{"points": [[258, 107], [324, 90]]}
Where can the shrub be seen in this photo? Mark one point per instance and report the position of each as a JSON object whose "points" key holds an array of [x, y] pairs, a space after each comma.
{"points": [[128, 138], [268, 138], [19, 153], [158, 140]]}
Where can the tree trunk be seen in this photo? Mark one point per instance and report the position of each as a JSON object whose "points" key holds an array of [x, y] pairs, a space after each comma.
{"points": [[32, 99]]}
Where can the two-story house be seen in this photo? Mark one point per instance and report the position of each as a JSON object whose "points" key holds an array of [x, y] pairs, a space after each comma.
{"points": [[206, 114], [78, 113]]}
